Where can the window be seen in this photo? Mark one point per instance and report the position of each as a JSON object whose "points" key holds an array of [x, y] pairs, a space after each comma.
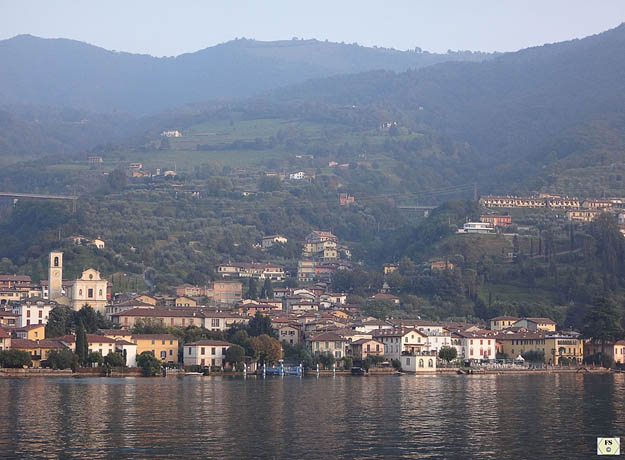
{"points": [[152, 341], [213, 351], [171, 352], [27, 313], [40, 314], [202, 350], [420, 363], [430, 363], [163, 343], [368, 348], [189, 350], [163, 354], [79, 291], [407, 361], [171, 342], [90, 293], [100, 292], [215, 322]]}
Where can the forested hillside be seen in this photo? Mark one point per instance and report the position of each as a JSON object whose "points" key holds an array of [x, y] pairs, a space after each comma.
{"points": [[86, 77]]}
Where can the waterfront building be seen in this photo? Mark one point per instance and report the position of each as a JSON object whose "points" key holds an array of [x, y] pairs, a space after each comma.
{"points": [[362, 348], [327, 342], [475, 344], [163, 346], [418, 362], [205, 353], [399, 340]]}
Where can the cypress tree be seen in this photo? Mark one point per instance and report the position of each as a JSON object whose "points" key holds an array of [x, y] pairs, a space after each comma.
{"points": [[82, 346]]}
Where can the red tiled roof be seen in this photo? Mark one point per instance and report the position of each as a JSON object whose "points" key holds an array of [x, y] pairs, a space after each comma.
{"points": [[154, 337], [326, 337], [395, 332], [209, 343]]}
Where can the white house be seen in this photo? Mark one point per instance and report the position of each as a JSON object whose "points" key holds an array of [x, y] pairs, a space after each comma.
{"points": [[418, 362], [128, 350], [474, 345], [205, 353], [270, 240], [435, 341], [33, 310], [297, 176], [399, 340]]}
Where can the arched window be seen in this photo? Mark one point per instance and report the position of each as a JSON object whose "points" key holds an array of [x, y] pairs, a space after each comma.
{"points": [[56, 261], [420, 363], [100, 292], [80, 292], [90, 276], [430, 363]]}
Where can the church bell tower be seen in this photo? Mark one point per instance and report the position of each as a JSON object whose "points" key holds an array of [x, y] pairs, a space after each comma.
{"points": [[55, 276]]}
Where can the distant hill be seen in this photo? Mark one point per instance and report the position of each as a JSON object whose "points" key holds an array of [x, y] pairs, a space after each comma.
{"points": [[558, 105], [61, 72]]}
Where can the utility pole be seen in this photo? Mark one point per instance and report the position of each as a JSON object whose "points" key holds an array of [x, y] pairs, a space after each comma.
{"points": [[474, 191]]}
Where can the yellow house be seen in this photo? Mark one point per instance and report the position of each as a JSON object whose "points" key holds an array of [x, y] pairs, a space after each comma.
{"points": [[533, 324], [38, 349], [615, 350], [163, 346], [146, 299], [184, 301], [502, 322], [558, 346], [517, 343], [31, 332]]}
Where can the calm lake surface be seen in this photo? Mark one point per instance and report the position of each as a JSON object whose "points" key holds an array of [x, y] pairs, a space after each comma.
{"points": [[492, 417]]}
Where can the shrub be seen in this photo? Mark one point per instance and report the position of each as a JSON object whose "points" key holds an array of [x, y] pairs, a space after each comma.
{"points": [[15, 359]]}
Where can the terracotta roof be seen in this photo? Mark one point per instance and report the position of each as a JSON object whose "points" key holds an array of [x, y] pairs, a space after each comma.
{"points": [[480, 334], [395, 332], [132, 303], [363, 341], [325, 337], [209, 343], [114, 332], [21, 278], [500, 318], [154, 337], [43, 343], [4, 334], [123, 342], [91, 338]]}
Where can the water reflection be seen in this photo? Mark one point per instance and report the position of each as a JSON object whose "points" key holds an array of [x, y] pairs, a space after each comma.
{"points": [[493, 417]]}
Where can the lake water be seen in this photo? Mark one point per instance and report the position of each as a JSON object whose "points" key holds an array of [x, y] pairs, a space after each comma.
{"points": [[493, 417]]}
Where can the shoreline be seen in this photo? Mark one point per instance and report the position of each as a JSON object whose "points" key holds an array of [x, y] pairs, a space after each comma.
{"points": [[135, 372]]}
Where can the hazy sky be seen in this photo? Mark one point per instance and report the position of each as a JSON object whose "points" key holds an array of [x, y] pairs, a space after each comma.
{"points": [[173, 27]]}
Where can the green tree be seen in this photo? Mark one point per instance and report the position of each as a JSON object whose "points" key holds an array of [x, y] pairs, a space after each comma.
{"points": [[95, 357], [149, 363], [252, 289], [88, 317], [59, 321], [603, 322], [266, 349], [82, 344], [114, 359], [448, 353], [15, 358], [267, 291], [326, 360], [235, 354], [260, 324], [117, 180], [534, 356], [61, 359]]}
